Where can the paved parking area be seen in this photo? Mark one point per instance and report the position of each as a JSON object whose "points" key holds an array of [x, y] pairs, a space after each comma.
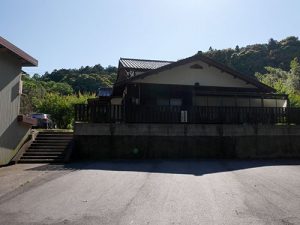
{"points": [[152, 192]]}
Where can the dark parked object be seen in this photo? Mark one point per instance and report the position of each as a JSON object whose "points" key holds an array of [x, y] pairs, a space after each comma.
{"points": [[44, 120], [104, 92]]}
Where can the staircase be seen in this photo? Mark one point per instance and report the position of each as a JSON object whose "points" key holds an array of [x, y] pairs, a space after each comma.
{"points": [[49, 147]]}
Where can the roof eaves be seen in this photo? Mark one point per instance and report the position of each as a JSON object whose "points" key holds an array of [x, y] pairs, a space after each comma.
{"points": [[26, 59]]}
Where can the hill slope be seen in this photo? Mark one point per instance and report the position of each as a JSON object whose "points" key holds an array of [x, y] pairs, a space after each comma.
{"points": [[84, 79], [254, 58]]}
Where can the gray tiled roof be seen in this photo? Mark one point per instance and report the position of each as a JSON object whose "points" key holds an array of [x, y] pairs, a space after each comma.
{"points": [[143, 64]]}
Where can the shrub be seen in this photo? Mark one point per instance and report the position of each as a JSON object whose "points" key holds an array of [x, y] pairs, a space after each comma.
{"points": [[60, 107]]}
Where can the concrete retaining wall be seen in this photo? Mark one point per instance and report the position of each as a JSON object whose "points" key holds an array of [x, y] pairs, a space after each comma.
{"points": [[98, 141]]}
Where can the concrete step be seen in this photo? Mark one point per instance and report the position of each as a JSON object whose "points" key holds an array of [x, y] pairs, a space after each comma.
{"points": [[42, 141], [59, 141], [42, 157], [28, 153], [56, 133], [49, 144], [66, 138], [45, 150], [54, 137], [41, 161], [48, 147]]}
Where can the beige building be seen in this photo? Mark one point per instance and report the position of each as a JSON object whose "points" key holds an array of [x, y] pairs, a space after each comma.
{"points": [[14, 128], [194, 81]]}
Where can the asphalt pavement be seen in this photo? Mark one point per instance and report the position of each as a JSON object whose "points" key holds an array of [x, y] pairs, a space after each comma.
{"points": [[158, 192]]}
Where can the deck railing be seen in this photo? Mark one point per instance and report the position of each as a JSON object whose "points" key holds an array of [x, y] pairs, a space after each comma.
{"points": [[98, 113], [195, 115]]}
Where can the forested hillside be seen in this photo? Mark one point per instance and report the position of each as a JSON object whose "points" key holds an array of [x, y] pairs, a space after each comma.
{"points": [[85, 79], [254, 58]]}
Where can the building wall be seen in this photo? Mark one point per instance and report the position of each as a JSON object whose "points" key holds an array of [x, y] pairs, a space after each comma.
{"points": [[116, 101], [184, 75], [11, 132], [238, 101], [157, 94]]}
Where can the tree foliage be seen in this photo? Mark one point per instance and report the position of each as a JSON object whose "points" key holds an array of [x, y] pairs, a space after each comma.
{"points": [[84, 79], [56, 93], [33, 88], [61, 107], [286, 82], [254, 58]]}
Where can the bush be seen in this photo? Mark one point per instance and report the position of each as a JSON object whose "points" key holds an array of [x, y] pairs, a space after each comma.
{"points": [[60, 107]]}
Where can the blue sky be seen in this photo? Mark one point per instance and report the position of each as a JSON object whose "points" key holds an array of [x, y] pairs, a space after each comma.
{"points": [[74, 33]]}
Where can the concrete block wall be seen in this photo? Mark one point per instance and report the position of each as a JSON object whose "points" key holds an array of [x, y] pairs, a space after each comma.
{"points": [[102, 141]]}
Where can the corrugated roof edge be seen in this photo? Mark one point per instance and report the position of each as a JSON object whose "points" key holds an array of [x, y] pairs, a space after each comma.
{"points": [[205, 59], [147, 60], [29, 60]]}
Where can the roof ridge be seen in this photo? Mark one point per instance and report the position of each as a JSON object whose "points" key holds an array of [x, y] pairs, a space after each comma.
{"points": [[147, 60]]}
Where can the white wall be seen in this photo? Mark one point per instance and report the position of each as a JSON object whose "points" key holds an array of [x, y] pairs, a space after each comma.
{"points": [[239, 101], [116, 101], [11, 132], [184, 75]]}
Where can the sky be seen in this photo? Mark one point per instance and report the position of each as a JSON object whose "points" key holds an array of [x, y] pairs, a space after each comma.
{"points": [[75, 33]]}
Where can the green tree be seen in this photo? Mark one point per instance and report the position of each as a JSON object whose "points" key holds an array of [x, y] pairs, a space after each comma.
{"points": [[60, 107], [287, 82], [237, 48], [254, 58], [84, 79]]}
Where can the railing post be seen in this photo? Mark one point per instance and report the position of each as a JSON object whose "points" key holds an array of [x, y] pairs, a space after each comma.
{"points": [[287, 116]]}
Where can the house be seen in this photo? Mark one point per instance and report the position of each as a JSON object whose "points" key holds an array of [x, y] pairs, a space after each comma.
{"points": [[14, 128], [196, 89], [190, 108]]}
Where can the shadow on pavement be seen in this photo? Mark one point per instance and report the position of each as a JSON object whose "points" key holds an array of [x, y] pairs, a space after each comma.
{"points": [[192, 167]]}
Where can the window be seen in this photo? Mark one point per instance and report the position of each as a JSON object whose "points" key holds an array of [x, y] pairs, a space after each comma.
{"points": [[176, 101], [214, 101], [172, 101], [162, 101], [200, 100], [228, 101], [281, 103], [256, 102], [270, 103], [243, 102]]}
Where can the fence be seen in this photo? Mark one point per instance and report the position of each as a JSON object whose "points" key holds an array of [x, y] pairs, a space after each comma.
{"points": [[195, 114], [98, 113]]}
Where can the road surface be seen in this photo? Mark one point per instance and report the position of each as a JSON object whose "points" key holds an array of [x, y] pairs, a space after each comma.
{"points": [[152, 192]]}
